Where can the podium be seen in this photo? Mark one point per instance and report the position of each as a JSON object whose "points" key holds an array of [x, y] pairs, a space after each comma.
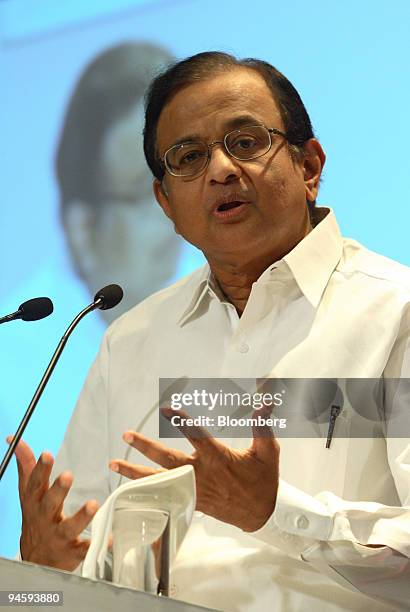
{"points": [[81, 594]]}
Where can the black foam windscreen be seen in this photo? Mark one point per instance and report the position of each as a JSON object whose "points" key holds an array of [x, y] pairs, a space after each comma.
{"points": [[36, 308], [110, 296]]}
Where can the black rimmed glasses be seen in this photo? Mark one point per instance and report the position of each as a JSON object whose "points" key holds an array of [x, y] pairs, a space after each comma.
{"points": [[192, 157]]}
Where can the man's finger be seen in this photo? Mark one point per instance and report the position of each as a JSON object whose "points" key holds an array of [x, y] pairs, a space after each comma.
{"points": [[53, 500], [26, 462], [71, 527], [264, 444], [77, 552], [39, 480], [156, 451], [198, 436], [80, 548], [132, 471]]}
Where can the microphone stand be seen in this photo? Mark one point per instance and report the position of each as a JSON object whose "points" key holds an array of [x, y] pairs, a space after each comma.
{"points": [[43, 382], [10, 317]]}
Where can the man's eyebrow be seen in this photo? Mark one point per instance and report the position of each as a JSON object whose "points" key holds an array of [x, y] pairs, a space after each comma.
{"points": [[187, 138], [241, 120], [233, 123]]}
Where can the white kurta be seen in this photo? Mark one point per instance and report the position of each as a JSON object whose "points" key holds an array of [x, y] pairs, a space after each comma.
{"points": [[330, 308]]}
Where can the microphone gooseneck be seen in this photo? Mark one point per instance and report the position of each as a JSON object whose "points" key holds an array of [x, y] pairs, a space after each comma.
{"points": [[108, 297], [32, 310]]}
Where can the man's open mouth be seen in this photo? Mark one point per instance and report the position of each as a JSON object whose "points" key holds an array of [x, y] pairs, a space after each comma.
{"points": [[229, 205]]}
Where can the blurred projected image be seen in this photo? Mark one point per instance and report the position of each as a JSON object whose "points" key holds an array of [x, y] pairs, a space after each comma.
{"points": [[115, 230]]}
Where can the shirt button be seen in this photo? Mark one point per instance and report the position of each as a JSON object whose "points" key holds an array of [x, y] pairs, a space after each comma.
{"points": [[302, 522], [243, 347]]}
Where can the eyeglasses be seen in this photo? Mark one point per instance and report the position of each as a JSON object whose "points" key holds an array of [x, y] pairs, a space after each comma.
{"points": [[191, 158]]}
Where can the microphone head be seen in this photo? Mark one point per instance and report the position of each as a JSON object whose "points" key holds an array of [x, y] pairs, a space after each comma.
{"points": [[110, 296], [35, 309]]}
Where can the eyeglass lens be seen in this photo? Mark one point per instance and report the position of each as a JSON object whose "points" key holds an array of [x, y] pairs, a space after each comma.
{"points": [[191, 158]]}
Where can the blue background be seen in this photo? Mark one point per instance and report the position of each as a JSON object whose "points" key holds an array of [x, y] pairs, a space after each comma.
{"points": [[350, 63]]}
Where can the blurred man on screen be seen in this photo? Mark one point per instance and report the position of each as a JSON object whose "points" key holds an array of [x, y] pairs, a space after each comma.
{"points": [[113, 227]]}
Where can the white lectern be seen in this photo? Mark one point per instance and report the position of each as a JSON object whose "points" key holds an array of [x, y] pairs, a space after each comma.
{"points": [[81, 594]]}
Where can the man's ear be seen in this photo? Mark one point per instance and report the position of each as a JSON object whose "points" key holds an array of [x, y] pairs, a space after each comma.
{"points": [[161, 197], [313, 163], [79, 222]]}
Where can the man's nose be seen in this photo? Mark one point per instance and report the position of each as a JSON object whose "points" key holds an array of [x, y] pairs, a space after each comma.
{"points": [[222, 166]]}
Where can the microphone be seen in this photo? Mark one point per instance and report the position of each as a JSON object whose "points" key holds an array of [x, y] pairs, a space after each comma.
{"points": [[32, 310], [106, 298]]}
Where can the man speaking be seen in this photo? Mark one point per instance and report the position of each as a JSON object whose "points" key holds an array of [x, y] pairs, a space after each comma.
{"points": [[237, 168]]}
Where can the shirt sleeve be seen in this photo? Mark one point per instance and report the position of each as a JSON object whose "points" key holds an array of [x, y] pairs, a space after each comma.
{"points": [[334, 536], [85, 447], [339, 537]]}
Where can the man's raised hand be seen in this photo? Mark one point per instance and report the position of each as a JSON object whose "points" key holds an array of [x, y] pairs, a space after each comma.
{"points": [[47, 536], [233, 486]]}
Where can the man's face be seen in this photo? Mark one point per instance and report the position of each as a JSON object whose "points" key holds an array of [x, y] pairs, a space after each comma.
{"points": [[274, 188]]}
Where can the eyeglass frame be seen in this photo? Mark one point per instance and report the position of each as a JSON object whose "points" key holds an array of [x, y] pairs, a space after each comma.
{"points": [[223, 142]]}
